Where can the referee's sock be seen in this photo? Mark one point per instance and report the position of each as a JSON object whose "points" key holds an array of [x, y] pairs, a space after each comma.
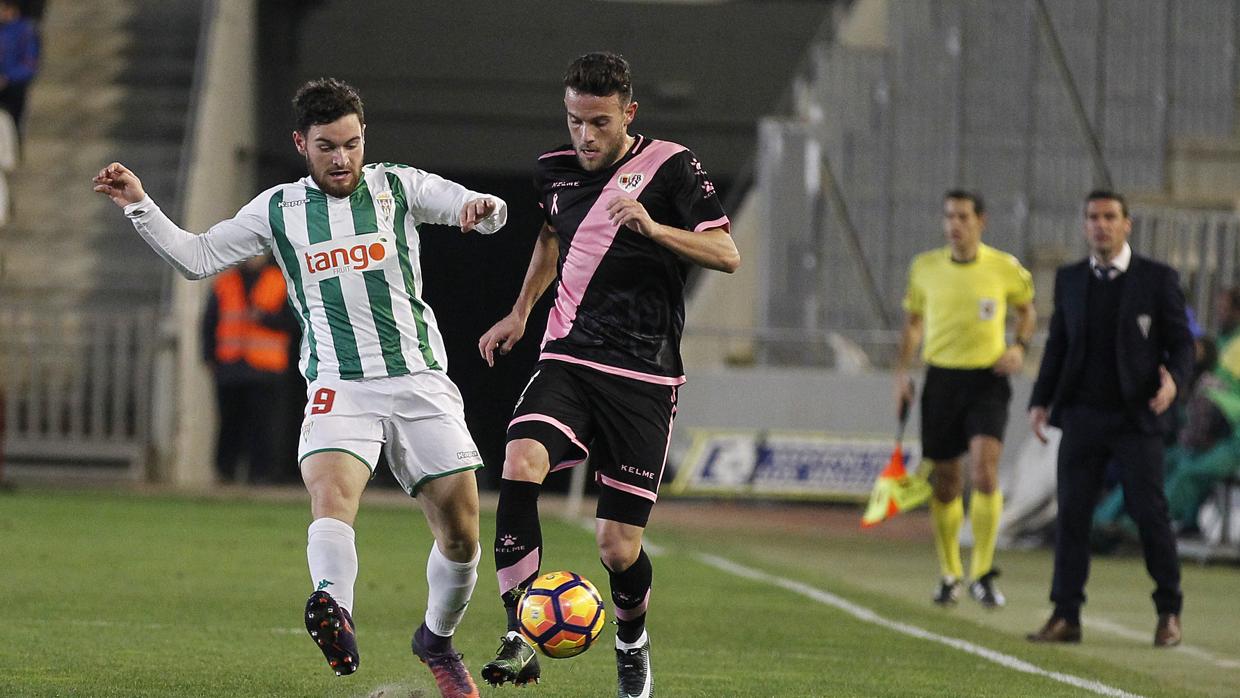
{"points": [[948, 517], [985, 510]]}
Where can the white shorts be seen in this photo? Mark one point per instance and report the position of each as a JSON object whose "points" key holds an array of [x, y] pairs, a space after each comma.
{"points": [[417, 419]]}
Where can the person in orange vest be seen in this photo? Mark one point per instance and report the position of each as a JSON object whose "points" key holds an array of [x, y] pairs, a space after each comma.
{"points": [[247, 329]]}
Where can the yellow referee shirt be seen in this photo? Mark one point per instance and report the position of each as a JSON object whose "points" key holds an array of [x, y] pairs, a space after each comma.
{"points": [[964, 304]]}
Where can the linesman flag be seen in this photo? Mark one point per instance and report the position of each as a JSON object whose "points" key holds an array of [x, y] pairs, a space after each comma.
{"points": [[896, 489]]}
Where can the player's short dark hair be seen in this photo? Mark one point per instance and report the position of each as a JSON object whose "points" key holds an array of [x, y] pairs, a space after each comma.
{"points": [[1108, 195], [601, 74], [979, 206], [323, 101]]}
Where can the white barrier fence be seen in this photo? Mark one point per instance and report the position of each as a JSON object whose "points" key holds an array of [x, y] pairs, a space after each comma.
{"points": [[76, 390], [1203, 246]]}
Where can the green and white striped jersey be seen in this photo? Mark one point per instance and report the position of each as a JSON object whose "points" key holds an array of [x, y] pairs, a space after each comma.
{"points": [[351, 264]]}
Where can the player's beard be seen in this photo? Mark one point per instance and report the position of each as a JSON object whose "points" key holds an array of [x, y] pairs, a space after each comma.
{"points": [[331, 187], [606, 158]]}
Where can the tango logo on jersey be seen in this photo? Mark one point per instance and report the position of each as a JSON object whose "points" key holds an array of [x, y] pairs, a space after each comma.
{"points": [[384, 198], [629, 181], [357, 253]]}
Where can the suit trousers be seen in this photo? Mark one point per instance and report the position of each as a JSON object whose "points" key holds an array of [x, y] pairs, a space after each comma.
{"points": [[1092, 437]]}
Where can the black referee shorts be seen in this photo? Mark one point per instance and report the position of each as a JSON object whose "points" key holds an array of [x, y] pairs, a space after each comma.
{"points": [[958, 404], [623, 425]]}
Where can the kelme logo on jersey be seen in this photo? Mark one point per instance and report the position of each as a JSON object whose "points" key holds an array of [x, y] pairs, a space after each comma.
{"points": [[357, 253], [629, 181]]}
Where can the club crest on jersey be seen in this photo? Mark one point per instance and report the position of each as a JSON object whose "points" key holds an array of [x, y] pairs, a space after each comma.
{"points": [[629, 181], [385, 203]]}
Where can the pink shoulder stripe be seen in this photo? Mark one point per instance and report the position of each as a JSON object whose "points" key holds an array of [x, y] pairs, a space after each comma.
{"points": [[596, 233]]}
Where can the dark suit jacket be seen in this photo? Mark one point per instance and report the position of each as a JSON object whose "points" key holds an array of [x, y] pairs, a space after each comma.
{"points": [[1152, 331]]}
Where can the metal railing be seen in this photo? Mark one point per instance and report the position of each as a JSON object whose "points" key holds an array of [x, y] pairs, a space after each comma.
{"points": [[1031, 102], [1204, 247], [76, 389]]}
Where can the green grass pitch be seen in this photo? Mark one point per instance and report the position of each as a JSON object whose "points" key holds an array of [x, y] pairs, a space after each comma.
{"points": [[121, 594]]}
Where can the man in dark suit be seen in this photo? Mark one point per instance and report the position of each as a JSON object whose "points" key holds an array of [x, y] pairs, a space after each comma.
{"points": [[1119, 347]]}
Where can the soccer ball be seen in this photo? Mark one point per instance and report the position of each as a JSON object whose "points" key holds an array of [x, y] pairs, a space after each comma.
{"points": [[562, 614]]}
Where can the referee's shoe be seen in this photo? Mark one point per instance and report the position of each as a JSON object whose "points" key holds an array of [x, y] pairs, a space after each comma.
{"points": [[983, 589], [948, 593]]}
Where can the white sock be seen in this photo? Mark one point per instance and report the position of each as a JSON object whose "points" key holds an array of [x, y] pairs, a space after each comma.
{"points": [[632, 645], [332, 555], [451, 584]]}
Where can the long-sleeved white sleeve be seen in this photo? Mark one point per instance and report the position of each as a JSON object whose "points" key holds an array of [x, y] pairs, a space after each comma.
{"points": [[198, 256], [437, 200]]}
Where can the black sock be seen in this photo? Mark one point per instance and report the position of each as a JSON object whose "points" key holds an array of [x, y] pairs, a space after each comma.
{"points": [[518, 542], [630, 592]]}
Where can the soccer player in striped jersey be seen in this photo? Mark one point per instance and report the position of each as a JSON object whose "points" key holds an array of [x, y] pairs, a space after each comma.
{"points": [[346, 238], [626, 216]]}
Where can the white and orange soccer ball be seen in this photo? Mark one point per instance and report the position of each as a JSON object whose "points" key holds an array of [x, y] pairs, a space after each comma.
{"points": [[561, 614]]}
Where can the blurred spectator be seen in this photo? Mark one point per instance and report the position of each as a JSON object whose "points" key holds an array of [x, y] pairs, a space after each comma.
{"points": [[19, 59], [1207, 446], [247, 329]]}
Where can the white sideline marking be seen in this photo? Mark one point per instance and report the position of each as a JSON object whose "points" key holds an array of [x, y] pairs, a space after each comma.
{"points": [[864, 614], [1127, 633], [158, 626]]}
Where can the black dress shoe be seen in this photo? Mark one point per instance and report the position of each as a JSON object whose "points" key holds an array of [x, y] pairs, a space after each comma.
{"points": [[1057, 630]]}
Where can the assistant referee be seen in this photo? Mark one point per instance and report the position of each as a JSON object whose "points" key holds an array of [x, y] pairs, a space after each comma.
{"points": [[958, 299]]}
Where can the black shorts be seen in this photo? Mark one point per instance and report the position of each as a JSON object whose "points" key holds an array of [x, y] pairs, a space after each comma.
{"points": [[958, 404], [623, 425]]}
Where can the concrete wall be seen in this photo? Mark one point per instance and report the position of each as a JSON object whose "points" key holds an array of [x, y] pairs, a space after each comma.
{"points": [[220, 180]]}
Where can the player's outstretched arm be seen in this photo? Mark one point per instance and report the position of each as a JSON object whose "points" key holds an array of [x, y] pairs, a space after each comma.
{"points": [[504, 334], [194, 256], [119, 184], [437, 200]]}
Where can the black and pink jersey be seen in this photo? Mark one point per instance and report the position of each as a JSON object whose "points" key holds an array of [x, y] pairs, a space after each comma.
{"points": [[619, 303]]}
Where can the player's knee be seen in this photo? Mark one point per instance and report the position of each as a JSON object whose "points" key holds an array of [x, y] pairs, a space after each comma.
{"points": [[525, 459], [459, 547], [947, 485], [619, 545], [618, 555], [332, 501], [985, 481]]}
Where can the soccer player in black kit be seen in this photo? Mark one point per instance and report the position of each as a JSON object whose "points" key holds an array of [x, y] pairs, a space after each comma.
{"points": [[625, 216]]}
